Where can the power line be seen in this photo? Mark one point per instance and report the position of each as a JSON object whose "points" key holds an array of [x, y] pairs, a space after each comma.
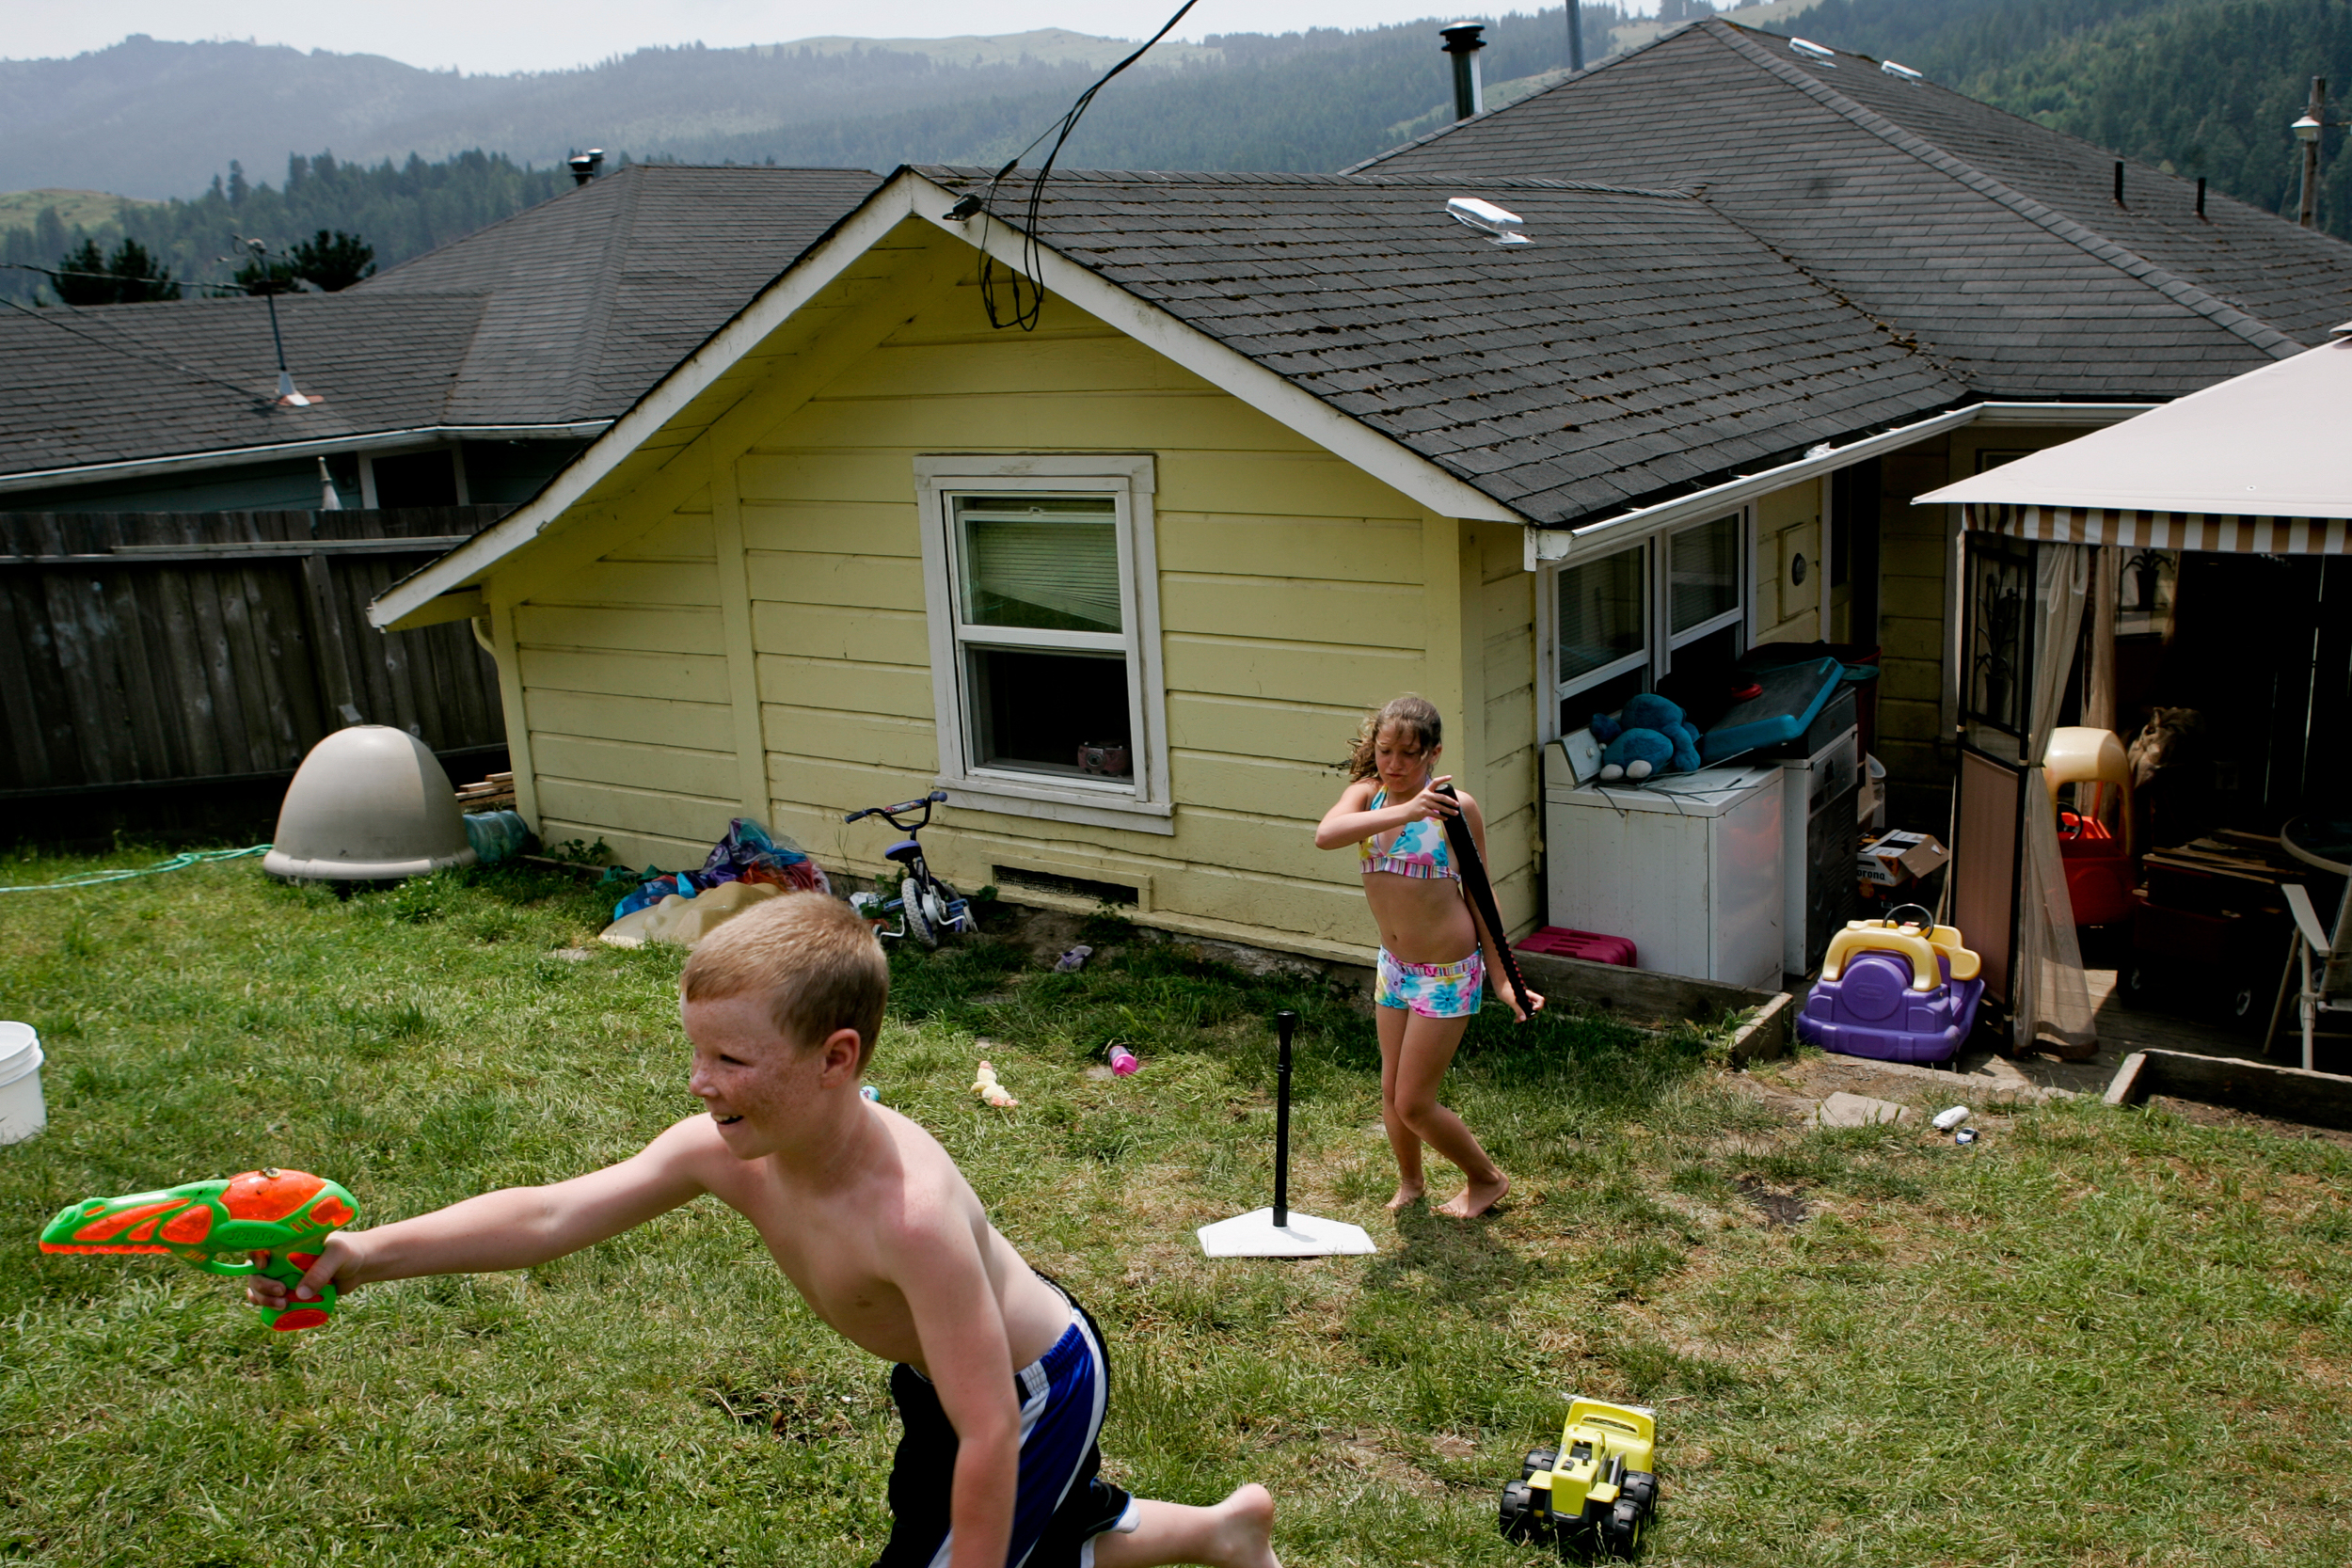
{"points": [[1032, 258], [152, 358], [117, 277]]}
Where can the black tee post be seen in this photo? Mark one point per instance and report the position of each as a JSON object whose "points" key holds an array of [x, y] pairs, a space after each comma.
{"points": [[1284, 1022]]}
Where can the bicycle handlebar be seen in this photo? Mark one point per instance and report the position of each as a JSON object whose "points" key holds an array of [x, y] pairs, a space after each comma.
{"points": [[890, 814]]}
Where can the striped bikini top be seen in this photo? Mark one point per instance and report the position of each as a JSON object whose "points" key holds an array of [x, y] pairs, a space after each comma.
{"points": [[1419, 849]]}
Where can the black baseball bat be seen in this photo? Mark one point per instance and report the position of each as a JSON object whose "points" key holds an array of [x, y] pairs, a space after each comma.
{"points": [[1482, 893]]}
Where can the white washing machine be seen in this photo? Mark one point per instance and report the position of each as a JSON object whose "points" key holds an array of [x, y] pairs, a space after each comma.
{"points": [[1689, 867]]}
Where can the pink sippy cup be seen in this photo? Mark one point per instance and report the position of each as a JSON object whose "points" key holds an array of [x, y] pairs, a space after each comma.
{"points": [[1122, 1061]]}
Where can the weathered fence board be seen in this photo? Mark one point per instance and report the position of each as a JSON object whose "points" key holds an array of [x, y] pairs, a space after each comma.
{"points": [[145, 647]]}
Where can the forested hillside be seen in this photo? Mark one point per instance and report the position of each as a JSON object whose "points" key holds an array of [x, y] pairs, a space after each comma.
{"points": [[401, 211], [2198, 87], [1301, 100], [2201, 87]]}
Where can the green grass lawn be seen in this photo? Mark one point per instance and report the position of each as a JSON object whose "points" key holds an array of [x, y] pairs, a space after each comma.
{"points": [[2095, 1338]]}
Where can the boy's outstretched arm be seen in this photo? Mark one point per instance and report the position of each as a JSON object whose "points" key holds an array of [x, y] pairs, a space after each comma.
{"points": [[514, 1227], [936, 1264]]}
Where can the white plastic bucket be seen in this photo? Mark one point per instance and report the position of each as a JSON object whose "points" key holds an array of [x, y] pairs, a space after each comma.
{"points": [[23, 1112]]}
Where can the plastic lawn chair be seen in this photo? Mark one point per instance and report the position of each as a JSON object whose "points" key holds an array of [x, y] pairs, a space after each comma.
{"points": [[2099, 866], [2332, 992]]}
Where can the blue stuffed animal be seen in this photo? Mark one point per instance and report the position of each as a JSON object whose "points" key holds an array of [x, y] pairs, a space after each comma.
{"points": [[1648, 735]]}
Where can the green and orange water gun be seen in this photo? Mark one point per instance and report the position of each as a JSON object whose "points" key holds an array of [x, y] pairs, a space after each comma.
{"points": [[287, 1214]]}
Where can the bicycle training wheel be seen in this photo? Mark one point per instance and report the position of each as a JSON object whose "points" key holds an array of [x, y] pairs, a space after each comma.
{"points": [[917, 917]]}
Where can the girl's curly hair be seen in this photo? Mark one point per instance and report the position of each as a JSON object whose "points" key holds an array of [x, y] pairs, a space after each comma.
{"points": [[1418, 716]]}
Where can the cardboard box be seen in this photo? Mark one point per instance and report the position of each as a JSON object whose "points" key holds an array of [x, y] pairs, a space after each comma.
{"points": [[1892, 858]]}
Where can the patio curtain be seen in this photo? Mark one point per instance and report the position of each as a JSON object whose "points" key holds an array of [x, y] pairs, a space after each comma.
{"points": [[2107, 582], [2052, 999]]}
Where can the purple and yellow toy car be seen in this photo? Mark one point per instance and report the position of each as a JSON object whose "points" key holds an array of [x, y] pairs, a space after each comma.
{"points": [[1899, 991]]}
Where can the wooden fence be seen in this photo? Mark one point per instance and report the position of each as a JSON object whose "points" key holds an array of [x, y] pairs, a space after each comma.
{"points": [[144, 647]]}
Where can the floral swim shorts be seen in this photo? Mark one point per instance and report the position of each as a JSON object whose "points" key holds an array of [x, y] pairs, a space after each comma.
{"points": [[1433, 991]]}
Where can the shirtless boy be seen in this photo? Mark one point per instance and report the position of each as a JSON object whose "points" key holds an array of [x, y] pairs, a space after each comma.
{"points": [[870, 1220]]}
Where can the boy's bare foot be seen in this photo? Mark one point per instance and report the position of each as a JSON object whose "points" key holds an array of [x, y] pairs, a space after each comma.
{"points": [[1247, 1529], [1407, 1194], [1237, 1533], [1476, 1199]]}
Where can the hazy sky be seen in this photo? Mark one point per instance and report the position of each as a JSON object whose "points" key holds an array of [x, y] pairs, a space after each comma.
{"points": [[545, 35]]}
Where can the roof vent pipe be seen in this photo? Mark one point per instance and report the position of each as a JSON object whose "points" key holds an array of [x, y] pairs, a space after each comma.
{"points": [[2118, 181], [1463, 42], [584, 165]]}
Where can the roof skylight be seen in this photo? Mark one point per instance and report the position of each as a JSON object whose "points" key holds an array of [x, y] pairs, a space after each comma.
{"points": [[1814, 52], [1499, 225]]}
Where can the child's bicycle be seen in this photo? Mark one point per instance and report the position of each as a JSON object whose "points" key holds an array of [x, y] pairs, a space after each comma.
{"points": [[925, 906]]}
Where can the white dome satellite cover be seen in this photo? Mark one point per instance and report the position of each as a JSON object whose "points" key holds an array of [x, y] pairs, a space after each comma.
{"points": [[370, 804]]}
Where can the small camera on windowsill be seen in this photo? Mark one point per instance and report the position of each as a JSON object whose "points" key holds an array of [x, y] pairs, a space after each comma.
{"points": [[1110, 761]]}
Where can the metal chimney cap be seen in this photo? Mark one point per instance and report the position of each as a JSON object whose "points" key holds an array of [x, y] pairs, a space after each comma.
{"points": [[584, 165], [1463, 37]]}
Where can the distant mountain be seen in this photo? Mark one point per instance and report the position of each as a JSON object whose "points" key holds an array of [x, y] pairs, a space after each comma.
{"points": [[157, 119], [406, 173], [2201, 87]]}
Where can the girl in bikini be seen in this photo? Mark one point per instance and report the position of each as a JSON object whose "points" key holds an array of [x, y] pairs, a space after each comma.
{"points": [[1433, 946]]}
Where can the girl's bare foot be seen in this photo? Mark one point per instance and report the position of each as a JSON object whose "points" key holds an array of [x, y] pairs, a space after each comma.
{"points": [[1476, 1199], [1407, 1194]]}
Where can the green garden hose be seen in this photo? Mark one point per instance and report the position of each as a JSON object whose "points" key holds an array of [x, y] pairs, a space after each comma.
{"points": [[178, 863]]}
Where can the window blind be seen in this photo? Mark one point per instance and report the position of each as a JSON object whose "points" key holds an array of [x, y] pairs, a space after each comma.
{"points": [[1057, 573], [1600, 612]]}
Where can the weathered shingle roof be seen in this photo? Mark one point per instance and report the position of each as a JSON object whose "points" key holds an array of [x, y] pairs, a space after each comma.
{"points": [[1993, 240], [1641, 344], [125, 382], [597, 293], [562, 314]]}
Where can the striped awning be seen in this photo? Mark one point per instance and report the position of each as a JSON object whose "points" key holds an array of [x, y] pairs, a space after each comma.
{"points": [[2164, 531]]}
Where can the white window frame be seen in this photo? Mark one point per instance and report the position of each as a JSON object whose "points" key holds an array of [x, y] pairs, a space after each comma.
{"points": [[1744, 580], [1660, 639], [1142, 803], [1637, 660]]}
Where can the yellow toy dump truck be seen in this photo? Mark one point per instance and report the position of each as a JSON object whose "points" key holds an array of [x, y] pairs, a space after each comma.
{"points": [[1593, 1492]]}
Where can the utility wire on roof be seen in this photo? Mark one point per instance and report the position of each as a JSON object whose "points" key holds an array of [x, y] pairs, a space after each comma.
{"points": [[134, 354], [111, 278], [1032, 258]]}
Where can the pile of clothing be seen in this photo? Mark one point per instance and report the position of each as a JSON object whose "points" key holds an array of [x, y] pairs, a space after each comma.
{"points": [[749, 853]]}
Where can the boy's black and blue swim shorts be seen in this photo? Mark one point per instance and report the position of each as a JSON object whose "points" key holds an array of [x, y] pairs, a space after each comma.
{"points": [[1063, 1504]]}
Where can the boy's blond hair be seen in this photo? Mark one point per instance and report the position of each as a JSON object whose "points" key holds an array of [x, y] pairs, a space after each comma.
{"points": [[817, 960]]}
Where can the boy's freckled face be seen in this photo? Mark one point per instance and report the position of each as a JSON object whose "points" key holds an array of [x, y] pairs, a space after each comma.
{"points": [[751, 1078]]}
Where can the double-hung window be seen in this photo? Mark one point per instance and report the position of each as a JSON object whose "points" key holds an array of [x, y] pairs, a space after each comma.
{"points": [[1044, 616], [1704, 579], [1620, 620], [1604, 620]]}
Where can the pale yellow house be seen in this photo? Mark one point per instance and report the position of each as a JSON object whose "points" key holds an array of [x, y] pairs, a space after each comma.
{"points": [[1123, 578]]}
